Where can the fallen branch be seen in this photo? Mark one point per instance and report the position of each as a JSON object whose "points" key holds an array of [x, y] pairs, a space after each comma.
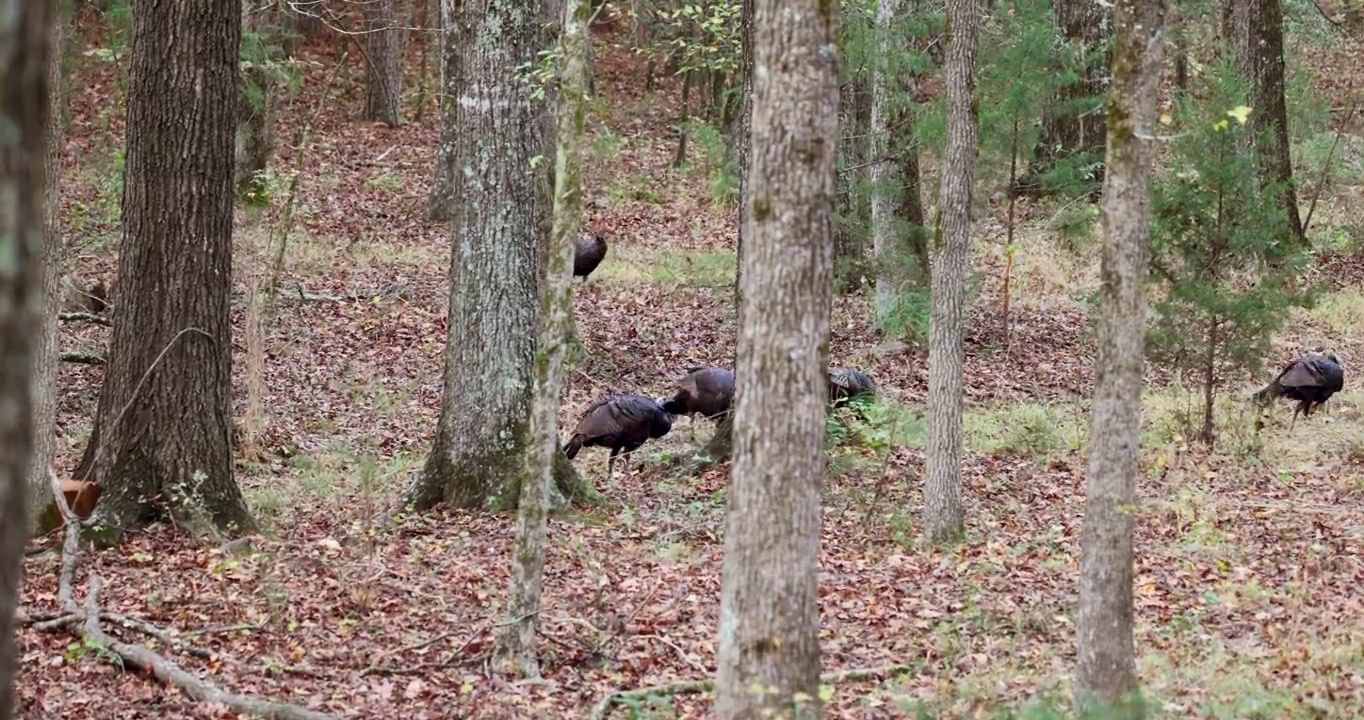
{"points": [[168, 672], [85, 317], [82, 358], [693, 687], [450, 660]]}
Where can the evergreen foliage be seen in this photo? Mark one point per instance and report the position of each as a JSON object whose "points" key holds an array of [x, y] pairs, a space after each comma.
{"points": [[1223, 258]]}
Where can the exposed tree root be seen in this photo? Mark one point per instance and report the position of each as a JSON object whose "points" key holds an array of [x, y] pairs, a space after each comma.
{"points": [[602, 709]]}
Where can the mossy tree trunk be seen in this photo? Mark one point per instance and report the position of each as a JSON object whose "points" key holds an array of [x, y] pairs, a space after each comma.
{"points": [[943, 520], [516, 639], [500, 136], [45, 348], [769, 604], [25, 68], [1106, 665], [384, 60], [163, 442]]}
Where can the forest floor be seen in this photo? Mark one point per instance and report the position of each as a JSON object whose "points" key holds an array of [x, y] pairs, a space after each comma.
{"points": [[1248, 576]]}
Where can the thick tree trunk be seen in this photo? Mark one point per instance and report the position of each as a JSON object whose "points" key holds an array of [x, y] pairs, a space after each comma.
{"points": [[943, 521], [25, 68], [384, 60], [1106, 667], [441, 202], [500, 224], [769, 605], [516, 642], [164, 440], [256, 119], [45, 348], [1256, 30], [1074, 127]]}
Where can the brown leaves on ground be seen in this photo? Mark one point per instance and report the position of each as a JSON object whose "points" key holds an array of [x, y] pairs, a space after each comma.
{"points": [[1248, 576]]}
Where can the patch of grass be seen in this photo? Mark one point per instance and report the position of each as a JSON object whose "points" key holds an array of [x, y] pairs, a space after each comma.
{"points": [[392, 182], [627, 265], [1342, 312], [632, 189], [1025, 428], [308, 255]]}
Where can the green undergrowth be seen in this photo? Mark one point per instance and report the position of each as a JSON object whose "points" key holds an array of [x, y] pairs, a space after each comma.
{"points": [[332, 473], [667, 267]]}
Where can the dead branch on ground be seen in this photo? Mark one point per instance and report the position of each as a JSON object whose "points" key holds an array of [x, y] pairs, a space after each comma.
{"points": [[85, 317], [81, 358]]}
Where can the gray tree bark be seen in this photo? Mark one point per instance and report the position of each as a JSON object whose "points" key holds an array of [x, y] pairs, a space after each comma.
{"points": [[516, 642], [45, 348], [441, 202], [1255, 28], [1069, 130], [943, 515], [163, 438], [1106, 666], [501, 223], [384, 60], [769, 609], [24, 105]]}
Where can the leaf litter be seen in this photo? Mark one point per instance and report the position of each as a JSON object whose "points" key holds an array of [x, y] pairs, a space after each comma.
{"points": [[1246, 578]]}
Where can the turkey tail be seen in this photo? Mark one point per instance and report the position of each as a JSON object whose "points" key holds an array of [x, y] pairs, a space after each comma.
{"points": [[573, 446]]}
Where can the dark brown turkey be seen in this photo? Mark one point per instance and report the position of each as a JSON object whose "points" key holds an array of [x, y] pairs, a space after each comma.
{"points": [[588, 255], [1310, 379], [620, 422], [846, 383], [705, 391]]}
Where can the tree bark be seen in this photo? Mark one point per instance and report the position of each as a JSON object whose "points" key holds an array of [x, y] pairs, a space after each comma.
{"points": [[769, 609], [1256, 30], [897, 216], [500, 224], [1106, 666], [25, 69], [441, 202], [1071, 129], [943, 514], [45, 347], [516, 642], [854, 206], [164, 434], [384, 59], [256, 119]]}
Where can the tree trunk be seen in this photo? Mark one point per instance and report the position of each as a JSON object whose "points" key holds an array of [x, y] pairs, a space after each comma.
{"points": [[721, 444], [854, 208], [256, 119], [384, 59], [1074, 126], [501, 222], [1106, 667], [45, 347], [885, 209], [1257, 32], [164, 437], [769, 604], [943, 521], [441, 202], [516, 642], [25, 68]]}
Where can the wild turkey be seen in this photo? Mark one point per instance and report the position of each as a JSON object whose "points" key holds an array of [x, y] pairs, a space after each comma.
{"points": [[705, 391], [588, 255], [1310, 379], [846, 383], [620, 422]]}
